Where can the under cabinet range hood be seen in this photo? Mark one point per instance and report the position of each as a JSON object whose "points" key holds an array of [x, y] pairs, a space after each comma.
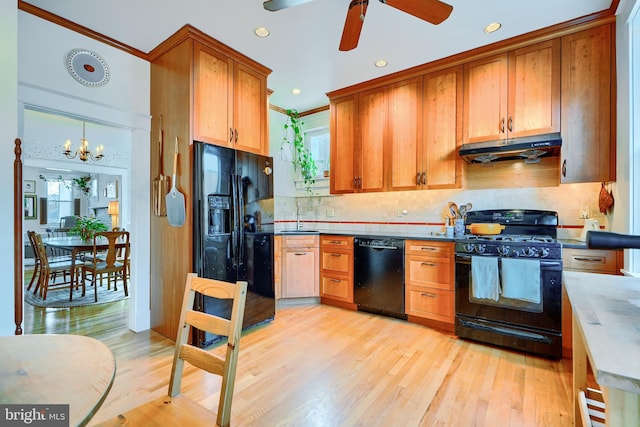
{"points": [[530, 149]]}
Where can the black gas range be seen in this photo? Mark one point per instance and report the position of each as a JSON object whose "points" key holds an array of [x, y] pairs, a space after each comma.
{"points": [[525, 256]]}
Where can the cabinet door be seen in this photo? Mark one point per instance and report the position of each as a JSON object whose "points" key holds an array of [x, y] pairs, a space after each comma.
{"points": [[534, 90], [371, 141], [212, 104], [301, 273], [442, 111], [588, 149], [249, 110], [485, 99], [405, 134], [343, 144]]}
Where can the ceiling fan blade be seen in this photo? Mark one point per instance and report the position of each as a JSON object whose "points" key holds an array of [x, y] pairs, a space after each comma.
{"points": [[433, 11], [353, 24], [273, 5]]}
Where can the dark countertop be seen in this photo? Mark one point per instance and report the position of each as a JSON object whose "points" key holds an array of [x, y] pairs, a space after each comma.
{"points": [[573, 244], [426, 235]]}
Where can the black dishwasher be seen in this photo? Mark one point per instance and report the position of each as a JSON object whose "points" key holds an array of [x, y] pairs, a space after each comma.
{"points": [[379, 275]]}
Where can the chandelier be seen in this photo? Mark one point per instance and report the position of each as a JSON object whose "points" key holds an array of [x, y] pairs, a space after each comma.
{"points": [[83, 151]]}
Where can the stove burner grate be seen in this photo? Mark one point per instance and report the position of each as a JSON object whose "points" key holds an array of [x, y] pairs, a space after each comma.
{"points": [[510, 238]]}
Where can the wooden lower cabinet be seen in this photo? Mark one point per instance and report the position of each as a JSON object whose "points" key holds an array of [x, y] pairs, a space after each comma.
{"points": [[336, 270], [429, 283], [300, 266], [590, 261]]}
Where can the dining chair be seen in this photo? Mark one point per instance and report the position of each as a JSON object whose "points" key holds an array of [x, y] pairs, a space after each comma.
{"points": [[108, 263], [175, 409], [48, 270], [37, 265]]}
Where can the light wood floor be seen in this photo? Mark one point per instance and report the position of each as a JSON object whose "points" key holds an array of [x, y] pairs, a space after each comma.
{"points": [[318, 365]]}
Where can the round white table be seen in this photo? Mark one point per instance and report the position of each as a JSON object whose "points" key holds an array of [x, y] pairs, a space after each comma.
{"points": [[56, 369]]}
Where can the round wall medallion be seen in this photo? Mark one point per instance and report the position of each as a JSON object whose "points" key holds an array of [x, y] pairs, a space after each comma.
{"points": [[87, 67]]}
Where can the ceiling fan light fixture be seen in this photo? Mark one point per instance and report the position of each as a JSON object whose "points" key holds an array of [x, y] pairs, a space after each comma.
{"points": [[493, 27], [262, 32], [381, 63]]}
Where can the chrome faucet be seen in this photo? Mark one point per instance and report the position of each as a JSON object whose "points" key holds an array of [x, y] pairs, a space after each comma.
{"points": [[298, 216]]}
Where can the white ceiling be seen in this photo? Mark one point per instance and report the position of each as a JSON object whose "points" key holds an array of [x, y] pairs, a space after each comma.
{"points": [[303, 50]]}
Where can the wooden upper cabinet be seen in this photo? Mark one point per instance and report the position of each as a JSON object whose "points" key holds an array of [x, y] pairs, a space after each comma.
{"points": [[404, 134], [513, 94], [212, 109], [485, 99], [442, 101], [230, 102], [250, 110], [588, 135], [370, 147], [343, 117]]}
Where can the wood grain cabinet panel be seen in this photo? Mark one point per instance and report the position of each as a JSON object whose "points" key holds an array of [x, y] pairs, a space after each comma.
{"points": [[230, 102], [343, 119], [300, 266], [429, 281], [513, 94], [588, 106], [336, 270], [442, 130]]}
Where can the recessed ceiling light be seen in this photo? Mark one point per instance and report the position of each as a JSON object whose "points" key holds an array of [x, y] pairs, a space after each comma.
{"points": [[262, 32], [494, 26], [296, 91], [381, 63]]}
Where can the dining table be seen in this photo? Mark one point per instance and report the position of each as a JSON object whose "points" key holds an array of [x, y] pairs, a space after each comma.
{"points": [[75, 246], [41, 374]]}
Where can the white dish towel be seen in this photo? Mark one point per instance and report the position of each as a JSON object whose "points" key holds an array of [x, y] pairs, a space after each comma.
{"points": [[485, 283], [521, 279]]}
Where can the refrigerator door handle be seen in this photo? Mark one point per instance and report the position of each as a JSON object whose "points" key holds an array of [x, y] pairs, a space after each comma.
{"points": [[241, 238], [234, 221]]}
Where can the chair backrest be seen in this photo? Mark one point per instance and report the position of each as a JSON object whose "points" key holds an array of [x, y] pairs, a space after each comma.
{"points": [[231, 328], [36, 254], [40, 250], [113, 253]]}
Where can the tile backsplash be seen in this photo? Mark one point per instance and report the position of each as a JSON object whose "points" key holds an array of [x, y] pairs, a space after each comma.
{"points": [[406, 211]]}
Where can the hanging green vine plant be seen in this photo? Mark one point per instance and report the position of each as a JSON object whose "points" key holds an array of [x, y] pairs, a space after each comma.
{"points": [[82, 183], [302, 158]]}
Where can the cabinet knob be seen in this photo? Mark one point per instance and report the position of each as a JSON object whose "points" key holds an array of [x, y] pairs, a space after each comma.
{"points": [[300, 253], [236, 137], [230, 134], [428, 248], [424, 178], [510, 124], [564, 168], [502, 125], [336, 280], [428, 264], [336, 255], [418, 178]]}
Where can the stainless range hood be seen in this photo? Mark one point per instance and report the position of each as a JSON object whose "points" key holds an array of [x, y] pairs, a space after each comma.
{"points": [[530, 149]]}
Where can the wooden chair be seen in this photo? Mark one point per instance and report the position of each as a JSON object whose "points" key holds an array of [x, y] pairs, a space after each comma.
{"points": [[109, 263], [48, 270], [37, 265], [175, 409]]}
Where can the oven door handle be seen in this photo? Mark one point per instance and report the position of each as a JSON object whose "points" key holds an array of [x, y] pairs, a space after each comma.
{"points": [[543, 263], [531, 336]]}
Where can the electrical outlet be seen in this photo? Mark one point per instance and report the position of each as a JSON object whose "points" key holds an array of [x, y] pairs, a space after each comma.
{"points": [[585, 212], [331, 212]]}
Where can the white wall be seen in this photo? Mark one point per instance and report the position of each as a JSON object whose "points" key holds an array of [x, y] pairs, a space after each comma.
{"points": [[45, 85], [8, 133]]}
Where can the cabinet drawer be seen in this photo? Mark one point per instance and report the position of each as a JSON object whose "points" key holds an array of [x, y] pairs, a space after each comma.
{"points": [[336, 241], [430, 303], [301, 241], [431, 272], [429, 248], [591, 260], [337, 287], [340, 262]]}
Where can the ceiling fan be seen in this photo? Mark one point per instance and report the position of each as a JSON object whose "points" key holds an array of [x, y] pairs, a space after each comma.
{"points": [[433, 11]]}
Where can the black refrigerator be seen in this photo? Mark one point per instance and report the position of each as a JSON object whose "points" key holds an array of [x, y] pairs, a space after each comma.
{"points": [[233, 191]]}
